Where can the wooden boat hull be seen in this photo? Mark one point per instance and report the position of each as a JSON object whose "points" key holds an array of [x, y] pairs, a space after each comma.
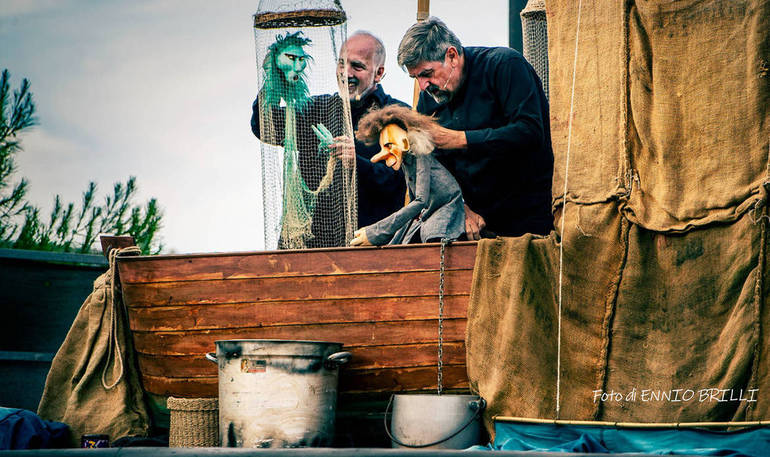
{"points": [[381, 303]]}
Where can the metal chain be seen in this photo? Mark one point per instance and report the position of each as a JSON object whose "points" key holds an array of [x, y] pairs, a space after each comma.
{"points": [[444, 243]]}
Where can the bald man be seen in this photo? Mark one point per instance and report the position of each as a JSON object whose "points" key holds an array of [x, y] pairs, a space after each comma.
{"points": [[381, 189]]}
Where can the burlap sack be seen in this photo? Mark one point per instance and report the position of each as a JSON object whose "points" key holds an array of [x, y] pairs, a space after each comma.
{"points": [[93, 385]]}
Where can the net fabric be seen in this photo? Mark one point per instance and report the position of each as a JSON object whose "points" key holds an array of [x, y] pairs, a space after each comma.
{"points": [[309, 194], [535, 36]]}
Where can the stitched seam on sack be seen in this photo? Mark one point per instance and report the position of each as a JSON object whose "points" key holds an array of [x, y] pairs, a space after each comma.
{"points": [[609, 316], [758, 289]]}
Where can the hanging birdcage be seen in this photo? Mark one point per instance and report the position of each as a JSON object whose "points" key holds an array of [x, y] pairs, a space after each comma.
{"points": [[308, 189]]}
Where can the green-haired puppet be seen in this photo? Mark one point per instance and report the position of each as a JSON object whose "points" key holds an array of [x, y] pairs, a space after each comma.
{"points": [[285, 91], [285, 78]]}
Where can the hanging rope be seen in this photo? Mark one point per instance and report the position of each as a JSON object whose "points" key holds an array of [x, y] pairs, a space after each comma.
{"points": [[113, 345], [564, 215]]}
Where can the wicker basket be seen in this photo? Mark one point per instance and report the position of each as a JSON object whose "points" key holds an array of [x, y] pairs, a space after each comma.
{"points": [[301, 18], [194, 422]]}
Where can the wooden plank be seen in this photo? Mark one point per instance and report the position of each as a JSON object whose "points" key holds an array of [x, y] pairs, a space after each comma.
{"points": [[39, 300], [72, 260], [110, 242], [402, 379], [381, 303], [364, 358], [149, 269], [204, 387], [364, 381], [295, 288], [351, 335], [275, 313]]}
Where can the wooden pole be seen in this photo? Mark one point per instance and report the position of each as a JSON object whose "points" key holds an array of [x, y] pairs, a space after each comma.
{"points": [[632, 424], [423, 11]]}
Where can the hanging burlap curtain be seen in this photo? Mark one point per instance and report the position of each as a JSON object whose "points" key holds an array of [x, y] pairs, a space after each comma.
{"points": [[670, 107], [661, 268]]}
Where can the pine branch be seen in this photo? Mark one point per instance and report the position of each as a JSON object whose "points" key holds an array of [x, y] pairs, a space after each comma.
{"points": [[69, 228]]}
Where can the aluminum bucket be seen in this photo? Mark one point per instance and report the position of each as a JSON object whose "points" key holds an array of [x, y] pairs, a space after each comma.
{"points": [[277, 393], [436, 421]]}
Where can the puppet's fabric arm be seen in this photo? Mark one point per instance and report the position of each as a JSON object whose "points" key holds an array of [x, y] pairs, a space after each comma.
{"points": [[382, 232]]}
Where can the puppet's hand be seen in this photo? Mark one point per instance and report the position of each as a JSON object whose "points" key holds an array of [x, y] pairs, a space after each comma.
{"points": [[360, 238], [325, 138]]}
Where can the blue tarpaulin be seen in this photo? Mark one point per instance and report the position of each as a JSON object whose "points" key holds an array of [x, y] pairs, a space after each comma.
{"points": [[22, 429], [523, 436]]}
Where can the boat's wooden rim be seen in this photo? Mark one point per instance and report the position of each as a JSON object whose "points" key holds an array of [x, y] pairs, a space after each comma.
{"points": [[291, 251]]}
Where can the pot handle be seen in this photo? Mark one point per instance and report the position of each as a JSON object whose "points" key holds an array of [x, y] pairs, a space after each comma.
{"points": [[477, 405], [211, 357], [337, 359]]}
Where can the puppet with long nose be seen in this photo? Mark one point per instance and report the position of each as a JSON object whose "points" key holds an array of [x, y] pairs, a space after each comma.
{"points": [[435, 210], [394, 142]]}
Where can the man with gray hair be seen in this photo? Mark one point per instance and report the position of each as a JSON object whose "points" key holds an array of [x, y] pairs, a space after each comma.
{"points": [[494, 130]]}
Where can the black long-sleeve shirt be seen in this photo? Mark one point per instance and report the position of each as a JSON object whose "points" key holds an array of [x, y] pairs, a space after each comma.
{"points": [[506, 172], [381, 189]]}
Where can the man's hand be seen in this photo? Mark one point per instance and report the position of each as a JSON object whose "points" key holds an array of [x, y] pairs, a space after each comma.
{"points": [[473, 224], [344, 149], [447, 138], [360, 238]]}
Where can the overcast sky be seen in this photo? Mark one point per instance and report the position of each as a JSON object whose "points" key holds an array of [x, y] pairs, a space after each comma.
{"points": [[162, 90]]}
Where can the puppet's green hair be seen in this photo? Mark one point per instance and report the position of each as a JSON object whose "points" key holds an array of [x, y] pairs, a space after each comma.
{"points": [[275, 86]]}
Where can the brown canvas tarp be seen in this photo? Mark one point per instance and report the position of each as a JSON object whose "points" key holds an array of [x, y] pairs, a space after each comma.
{"points": [[671, 107], [662, 280], [642, 312], [688, 316], [513, 317]]}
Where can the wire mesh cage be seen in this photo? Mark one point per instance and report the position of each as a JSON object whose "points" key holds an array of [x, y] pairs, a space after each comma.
{"points": [[308, 186], [535, 34]]}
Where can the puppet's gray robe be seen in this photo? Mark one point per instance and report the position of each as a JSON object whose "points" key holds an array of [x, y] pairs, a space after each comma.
{"points": [[435, 209]]}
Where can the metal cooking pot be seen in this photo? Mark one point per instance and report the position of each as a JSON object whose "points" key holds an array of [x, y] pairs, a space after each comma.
{"points": [[277, 393]]}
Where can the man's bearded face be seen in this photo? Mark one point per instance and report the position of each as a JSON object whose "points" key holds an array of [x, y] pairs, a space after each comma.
{"points": [[438, 94], [292, 61], [434, 78]]}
